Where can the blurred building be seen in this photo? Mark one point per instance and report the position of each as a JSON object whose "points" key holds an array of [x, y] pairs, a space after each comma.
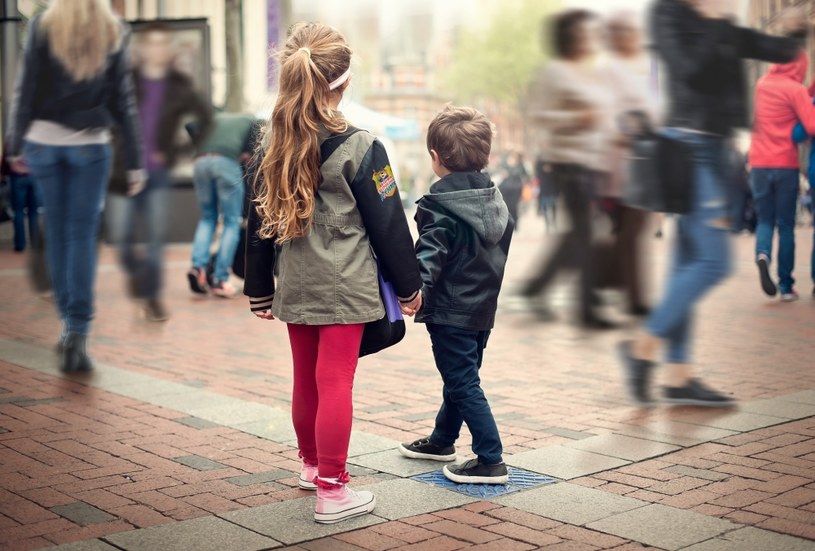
{"points": [[763, 15]]}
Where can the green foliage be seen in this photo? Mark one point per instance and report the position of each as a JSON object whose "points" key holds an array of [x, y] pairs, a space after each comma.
{"points": [[497, 61]]}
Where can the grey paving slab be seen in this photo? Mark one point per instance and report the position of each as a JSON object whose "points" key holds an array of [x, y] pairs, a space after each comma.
{"points": [[805, 397], [570, 503], [87, 545], [82, 513], [623, 447], [363, 443], [753, 539], [675, 432], [230, 411], [260, 478], [780, 407], [276, 428], [197, 423], [401, 498], [292, 521], [697, 473], [563, 462], [566, 433], [201, 534], [741, 421], [28, 355], [391, 462], [187, 399], [663, 527], [199, 463]]}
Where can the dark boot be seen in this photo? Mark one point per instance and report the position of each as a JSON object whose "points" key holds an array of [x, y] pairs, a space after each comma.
{"points": [[75, 357]]}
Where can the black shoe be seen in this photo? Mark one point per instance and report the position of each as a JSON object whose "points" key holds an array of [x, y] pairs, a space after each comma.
{"points": [[154, 310], [637, 374], [695, 393], [198, 281], [767, 283], [425, 449], [473, 472], [596, 323], [75, 357], [639, 311]]}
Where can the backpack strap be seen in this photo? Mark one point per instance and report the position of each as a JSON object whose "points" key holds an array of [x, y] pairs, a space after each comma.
{"points": [[332, 143]]}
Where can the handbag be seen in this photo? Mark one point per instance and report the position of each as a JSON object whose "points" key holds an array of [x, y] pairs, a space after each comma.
{"points": [[661, 168], [388, 330]]}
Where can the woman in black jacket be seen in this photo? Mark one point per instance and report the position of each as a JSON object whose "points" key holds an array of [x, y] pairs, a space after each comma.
{"points": [[702, 52], [73, 86]]}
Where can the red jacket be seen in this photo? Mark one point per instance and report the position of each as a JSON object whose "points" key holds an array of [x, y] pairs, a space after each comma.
{"points": [[781, 101]]}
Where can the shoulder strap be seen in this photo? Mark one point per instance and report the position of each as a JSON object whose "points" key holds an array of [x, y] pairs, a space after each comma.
{"points": [[331, 144]]}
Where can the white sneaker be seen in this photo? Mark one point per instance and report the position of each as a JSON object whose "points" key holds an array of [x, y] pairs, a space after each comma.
{"points": [[307, 475], [335, 502], [792, 296]]}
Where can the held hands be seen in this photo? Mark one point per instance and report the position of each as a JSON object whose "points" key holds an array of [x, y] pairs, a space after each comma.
{"points": [[264, 315], [134, 188], [410, 308]]}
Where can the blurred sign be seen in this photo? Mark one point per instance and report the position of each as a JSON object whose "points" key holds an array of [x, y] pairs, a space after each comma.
{"points": [[274, 21]]}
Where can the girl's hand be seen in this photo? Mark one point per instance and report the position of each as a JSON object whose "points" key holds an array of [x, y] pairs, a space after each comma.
{"points": [[264, 315]]}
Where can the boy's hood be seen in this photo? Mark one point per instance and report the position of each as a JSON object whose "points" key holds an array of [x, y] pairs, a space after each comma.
{"points": [[474, 199]]}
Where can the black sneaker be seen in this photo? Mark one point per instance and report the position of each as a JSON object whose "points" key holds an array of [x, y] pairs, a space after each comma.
{"points": [[695, 393], [425, 449], [596, 323], [473, 472], [198, 281], [767, 283], [637, 374], [154, 310]]}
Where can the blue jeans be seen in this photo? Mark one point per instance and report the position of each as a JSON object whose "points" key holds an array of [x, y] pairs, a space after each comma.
{"points": [[459, 354], [72, 180], [218, 184], [153, 207], [775, 192], [25, 200], [702, 248]]}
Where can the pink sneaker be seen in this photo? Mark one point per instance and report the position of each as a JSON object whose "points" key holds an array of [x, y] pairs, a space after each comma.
{"points": [[335, 502], [307, 475]]}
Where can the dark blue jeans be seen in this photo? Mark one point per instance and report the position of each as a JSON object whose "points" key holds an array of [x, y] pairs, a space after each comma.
{"points": [[72, 180], [152, 207], [458, 354], [25, 200], [775, 192]]}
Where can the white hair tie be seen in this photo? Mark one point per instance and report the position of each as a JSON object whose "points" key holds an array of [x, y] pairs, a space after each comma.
{"points": [[308, 52], [343, 78]]}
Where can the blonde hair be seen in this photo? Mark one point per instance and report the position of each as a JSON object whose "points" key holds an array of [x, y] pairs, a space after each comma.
{"points": [[315, 55], [81, 35]]}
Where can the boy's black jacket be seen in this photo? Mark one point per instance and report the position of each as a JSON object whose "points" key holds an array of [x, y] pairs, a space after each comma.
{"points": [[464, 236]]}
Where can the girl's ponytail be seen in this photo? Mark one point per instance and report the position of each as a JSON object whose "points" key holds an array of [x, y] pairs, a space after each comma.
{"points": [[315, 55]]}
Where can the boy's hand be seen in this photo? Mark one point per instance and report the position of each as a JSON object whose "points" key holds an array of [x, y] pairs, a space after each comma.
{"points": [[264, 315], [410, 308]]}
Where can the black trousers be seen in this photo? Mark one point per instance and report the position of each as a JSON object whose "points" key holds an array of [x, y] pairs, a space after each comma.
{"points": [[576, 185]]}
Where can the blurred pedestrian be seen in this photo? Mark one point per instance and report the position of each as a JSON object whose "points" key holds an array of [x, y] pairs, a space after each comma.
{"points": [[25, 202], [512, 187], [74, 84], [547, 192], [166, 99], [632, 90], [327, 219], [218, 179], [702, 51], [570, 99], [781, 100], [465, 230]]}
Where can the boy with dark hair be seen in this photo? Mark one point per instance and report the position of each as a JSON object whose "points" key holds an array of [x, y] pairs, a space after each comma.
{"points": [[464, 236]]}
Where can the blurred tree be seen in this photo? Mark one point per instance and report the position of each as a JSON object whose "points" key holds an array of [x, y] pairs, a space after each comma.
{"points": [[497, 61], [233, 12]]}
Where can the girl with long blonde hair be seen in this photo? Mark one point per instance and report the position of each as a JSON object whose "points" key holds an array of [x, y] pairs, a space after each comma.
{"points": [[327, 198], [73, 85]]}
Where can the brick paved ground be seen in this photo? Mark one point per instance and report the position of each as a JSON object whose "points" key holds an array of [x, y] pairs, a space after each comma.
{"points": [[79, 460]]}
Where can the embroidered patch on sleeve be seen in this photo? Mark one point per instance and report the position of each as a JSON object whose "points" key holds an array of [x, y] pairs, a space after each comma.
{"points": [[385, 183]]}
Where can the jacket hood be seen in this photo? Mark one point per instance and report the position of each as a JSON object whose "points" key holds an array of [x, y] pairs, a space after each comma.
{"points": [[474, 199], [795, 69]]}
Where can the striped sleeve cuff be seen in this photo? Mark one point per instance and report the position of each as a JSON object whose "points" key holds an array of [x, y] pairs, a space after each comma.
{"points": [[261, 304]]}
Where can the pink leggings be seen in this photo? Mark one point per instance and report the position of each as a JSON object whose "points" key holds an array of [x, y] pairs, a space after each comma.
{"points": [[325, 359]]}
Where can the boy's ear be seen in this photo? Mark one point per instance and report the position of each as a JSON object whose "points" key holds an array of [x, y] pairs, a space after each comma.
{"points": [[434, 156]]}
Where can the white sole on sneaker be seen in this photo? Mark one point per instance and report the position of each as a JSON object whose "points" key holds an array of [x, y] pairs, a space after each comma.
{"points": [[306, 485], [416, 455], [339, 516], [458, 479]]}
